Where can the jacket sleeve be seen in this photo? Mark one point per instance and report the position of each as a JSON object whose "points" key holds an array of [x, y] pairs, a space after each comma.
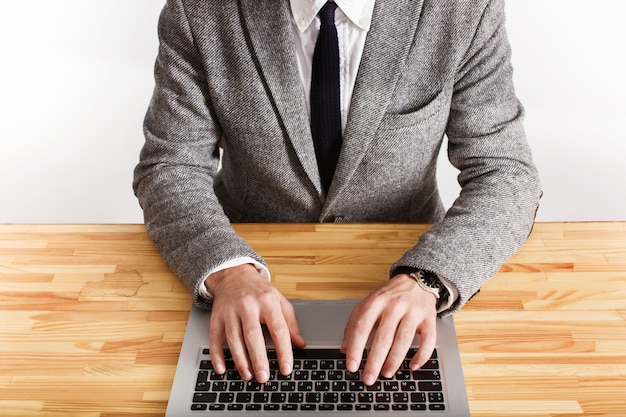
{"points": [[500, 189], [179, 161]]}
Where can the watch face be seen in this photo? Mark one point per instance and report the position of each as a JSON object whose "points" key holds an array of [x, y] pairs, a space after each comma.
{"points": [[431, 280]]}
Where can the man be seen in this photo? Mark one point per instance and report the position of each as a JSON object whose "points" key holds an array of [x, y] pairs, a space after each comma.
{"points": [[238, 74]]}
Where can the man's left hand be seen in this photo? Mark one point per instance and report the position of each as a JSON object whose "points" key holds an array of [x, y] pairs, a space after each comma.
{"points": [[399, 309]]}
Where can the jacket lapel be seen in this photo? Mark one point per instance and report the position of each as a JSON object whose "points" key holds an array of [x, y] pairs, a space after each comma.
{"points": [[268, 25], [387, 45]]}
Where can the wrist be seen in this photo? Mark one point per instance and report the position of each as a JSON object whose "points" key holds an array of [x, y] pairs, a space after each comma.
{"points": [[426, 280], [429, 282], [215, 279]]}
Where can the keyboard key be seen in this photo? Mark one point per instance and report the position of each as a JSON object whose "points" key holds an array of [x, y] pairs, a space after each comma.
{"points": [[435, 397], [261, 397], [236, 386], [356, 386], [243, 397], [318, 354], [376, 386], [418, 397], [203, 386], [326, 407], [383, 397], [305, 386], [270, 386], [313, 397], [390, 386], [400, 397], [318, 375], [339, 386], [204, 397], [330, 397], [295, 397], [347, 397], [278, 397], [365, 397], [431, 364], [219, 386], [300, 375], [408, 386], [233, 375], [322, 386], [214, 376], [403, 375], [335, 375], [352, 376], [253, 386], [430, 386], [226, 397], [426, 375], [287, 386]]}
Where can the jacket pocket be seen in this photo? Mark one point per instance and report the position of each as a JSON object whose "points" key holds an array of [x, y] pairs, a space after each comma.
{"points": [[394, 121]]}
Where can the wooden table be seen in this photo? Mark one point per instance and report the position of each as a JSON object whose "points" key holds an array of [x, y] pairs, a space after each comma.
{"points": [[91, 320]]}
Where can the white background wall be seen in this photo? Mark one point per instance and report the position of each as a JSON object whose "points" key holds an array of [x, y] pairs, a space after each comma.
{"points": [[76, 77]]}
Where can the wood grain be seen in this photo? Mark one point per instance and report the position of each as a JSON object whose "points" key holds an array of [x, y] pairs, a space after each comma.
{"points": [[92, 320]]}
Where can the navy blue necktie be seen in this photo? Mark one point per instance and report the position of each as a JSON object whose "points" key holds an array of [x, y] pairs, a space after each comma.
{"points": [[325, 96]]}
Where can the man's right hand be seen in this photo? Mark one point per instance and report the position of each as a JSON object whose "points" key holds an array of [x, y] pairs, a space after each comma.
{"points": [[243, 301]]}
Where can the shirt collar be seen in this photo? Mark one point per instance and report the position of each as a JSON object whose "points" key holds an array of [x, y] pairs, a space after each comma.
{"points": [[358, 11]]}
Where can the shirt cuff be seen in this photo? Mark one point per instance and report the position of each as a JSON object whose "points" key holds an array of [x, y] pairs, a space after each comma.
{"points": [[450, 298], [204, 292]]}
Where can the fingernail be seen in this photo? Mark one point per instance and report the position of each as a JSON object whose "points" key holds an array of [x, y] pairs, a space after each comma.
{"points": [[369, 378], [262, 376], [352, 366], [246, 374], [286, 369]]}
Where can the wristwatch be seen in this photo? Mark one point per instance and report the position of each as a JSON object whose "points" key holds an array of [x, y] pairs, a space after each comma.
{"points": [[428, 281]]}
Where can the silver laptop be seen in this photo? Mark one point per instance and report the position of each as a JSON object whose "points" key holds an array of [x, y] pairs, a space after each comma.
{"points": [[319, 382]]}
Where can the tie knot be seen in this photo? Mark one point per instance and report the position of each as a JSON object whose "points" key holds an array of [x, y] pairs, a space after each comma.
{"points": [[327, 13]]}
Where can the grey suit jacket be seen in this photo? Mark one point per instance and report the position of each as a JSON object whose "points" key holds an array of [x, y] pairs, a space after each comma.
{"points": [[227, 71]]}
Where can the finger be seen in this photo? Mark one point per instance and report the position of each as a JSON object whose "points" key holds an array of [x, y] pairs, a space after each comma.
{"points": [[402, 342], [279, 332], [257, 353], [428, 340], [381, 345], [216, 344], [356, 335], [238, 351]]}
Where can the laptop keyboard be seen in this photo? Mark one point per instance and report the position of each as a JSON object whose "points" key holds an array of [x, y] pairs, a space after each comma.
{"points": [[319, 382]]}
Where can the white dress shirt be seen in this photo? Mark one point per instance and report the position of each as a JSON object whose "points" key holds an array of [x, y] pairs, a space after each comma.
{"points": [[352, 19]]}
